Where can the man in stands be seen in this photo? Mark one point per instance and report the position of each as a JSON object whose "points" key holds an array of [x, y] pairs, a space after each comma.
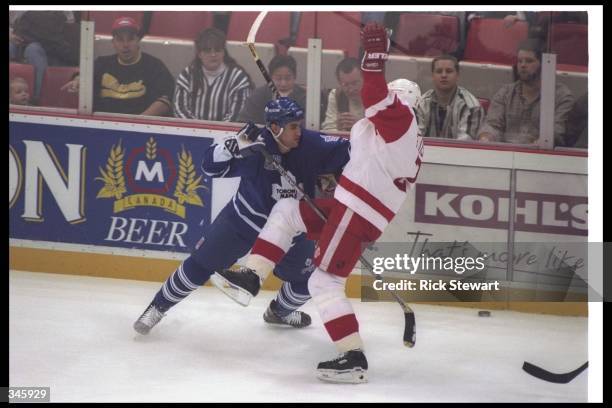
{"points": [[514, 114], [448, 110], [344, 106], [130, 81]]}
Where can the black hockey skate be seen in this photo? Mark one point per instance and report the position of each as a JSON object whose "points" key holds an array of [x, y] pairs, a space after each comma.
{"points": [[240, 285], [350, 367], [294, 319], [151, 316]]}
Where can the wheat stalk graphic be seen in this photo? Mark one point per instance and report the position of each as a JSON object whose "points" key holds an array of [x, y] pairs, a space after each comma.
{"points": [[114, 182], [188, 184], [151, 152]]}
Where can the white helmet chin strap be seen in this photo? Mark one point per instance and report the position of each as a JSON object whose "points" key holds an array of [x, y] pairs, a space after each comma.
{"points": [[276, 137]]}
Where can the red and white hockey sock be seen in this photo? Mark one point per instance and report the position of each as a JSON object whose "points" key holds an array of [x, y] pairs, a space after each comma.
{"points": [[328, 294], [274, 240]]}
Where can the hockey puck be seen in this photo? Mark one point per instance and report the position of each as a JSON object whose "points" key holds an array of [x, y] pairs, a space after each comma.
{"points": [[484, 313]]}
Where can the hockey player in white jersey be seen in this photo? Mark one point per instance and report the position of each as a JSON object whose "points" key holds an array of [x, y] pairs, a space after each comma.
{"points": [[386, 155]]}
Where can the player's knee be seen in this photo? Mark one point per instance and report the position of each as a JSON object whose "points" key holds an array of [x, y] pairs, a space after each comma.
{"points": [[322, 282]]}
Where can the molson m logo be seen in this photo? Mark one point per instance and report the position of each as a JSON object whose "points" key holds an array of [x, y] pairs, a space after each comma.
{"points": [[147, 176]]}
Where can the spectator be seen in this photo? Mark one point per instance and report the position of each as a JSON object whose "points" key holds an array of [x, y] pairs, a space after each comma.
{"points": [[282, 69], [448, 110], [344, 106], [131, 81], [213, 86], [578, 123], [43, 38], [19, 91], [514, 113]]}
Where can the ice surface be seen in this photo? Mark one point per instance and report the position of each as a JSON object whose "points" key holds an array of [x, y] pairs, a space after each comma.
{"points": [[74, 334]]}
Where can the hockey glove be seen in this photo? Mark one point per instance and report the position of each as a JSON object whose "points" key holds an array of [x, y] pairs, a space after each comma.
{"points": [[247, 141], [375, 43], [250, 140]]}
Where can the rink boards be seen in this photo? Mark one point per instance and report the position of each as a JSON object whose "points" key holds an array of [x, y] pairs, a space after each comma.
{"points": [[126, 198]]}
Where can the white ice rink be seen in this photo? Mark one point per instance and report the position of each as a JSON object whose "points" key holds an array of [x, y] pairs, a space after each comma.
{"points": [[74, 334]]}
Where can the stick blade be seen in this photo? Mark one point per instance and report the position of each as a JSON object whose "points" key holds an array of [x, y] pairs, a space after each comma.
{"points": [[409, 329], [553, 377]]}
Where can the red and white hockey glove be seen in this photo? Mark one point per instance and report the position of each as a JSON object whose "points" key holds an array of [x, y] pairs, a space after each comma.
{"points": [[375, 43]]}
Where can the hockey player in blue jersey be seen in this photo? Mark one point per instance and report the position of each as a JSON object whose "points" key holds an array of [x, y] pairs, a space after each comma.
{"points": [[305, 154]]}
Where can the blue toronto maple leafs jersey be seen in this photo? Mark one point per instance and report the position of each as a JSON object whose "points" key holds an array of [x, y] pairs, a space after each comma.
{"points": [[261, 186]]}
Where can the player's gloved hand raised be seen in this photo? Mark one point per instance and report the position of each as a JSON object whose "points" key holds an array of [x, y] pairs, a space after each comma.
{"points": [[246, 142], [375, 43]]}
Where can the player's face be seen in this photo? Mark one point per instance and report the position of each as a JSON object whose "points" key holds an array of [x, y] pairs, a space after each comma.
{"points": [[445, 75], [20, 94], [212, 57], [292, 132], [284, 80], [528, 66], [351, 83], [127, 45]]}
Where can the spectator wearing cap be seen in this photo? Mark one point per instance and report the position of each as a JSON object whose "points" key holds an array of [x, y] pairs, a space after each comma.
{"points": [[213, 86], [282, 69], [130, 81]]}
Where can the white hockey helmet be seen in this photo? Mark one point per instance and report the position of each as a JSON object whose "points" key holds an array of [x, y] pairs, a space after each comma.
{"points": [[407, 91]]}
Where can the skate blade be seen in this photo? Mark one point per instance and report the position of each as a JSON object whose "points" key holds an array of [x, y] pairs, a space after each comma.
{"points": [[236, 293], [355, 376], [141, 328]]}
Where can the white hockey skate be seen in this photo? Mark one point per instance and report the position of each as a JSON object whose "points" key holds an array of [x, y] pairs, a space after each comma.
{"points": [[150, 317]]}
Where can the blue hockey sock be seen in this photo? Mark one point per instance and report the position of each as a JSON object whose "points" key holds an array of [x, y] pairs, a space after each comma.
{"points": [[184, 280], [289, 298]]}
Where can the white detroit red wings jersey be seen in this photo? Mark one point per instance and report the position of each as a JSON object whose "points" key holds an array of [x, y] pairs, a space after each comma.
{"points": [[386, 155]]}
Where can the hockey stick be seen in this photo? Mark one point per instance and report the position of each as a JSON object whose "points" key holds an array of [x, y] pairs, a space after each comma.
{"points": [[409, 318], [545, 375], [250, 42]]}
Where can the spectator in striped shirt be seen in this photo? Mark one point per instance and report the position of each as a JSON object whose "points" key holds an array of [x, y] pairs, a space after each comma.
{"points": [[213, 86]]}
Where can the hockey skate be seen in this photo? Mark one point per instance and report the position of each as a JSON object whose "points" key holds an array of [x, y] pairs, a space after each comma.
{"points": [[350, 367], [294, 319], [148, 319], [240, 285]]}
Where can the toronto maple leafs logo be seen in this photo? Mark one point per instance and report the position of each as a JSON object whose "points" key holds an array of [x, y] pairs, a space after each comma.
{"points": [[286, 189]]}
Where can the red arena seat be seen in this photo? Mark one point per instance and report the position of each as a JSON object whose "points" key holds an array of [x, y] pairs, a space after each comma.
{"points": [[179, 24], [426, 34], [51, 93], [571, 43], [338, 30], [489, 41]]}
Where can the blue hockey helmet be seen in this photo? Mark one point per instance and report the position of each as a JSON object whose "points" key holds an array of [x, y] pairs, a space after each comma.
{"points": [[282, 111]]}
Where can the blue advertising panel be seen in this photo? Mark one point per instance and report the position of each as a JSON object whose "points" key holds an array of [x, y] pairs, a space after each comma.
{"points": [[107, 187]]}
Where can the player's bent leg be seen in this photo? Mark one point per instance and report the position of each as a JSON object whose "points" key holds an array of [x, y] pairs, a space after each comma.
{"points": [[185, 279], [274, 240]]}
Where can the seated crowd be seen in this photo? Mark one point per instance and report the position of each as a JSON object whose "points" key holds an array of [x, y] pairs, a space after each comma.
{"points": [[215, 87]]}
